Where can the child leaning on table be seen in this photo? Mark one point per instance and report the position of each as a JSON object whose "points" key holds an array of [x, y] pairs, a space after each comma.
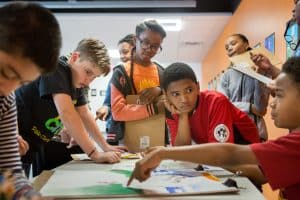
{"points": [[285, 150], [29, 46]]}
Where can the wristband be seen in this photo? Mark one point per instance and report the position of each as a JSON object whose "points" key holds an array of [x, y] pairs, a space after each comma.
{"points": [[91, 153]]}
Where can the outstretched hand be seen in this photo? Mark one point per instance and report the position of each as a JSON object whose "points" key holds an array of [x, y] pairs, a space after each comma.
{"points": [[143, 167]]}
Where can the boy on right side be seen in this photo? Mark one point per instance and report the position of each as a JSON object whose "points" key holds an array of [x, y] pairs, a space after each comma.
{"points": [[285, 150]]}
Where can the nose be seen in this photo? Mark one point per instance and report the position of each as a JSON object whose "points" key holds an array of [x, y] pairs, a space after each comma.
{"points": [[273, 103], [183, 98]]}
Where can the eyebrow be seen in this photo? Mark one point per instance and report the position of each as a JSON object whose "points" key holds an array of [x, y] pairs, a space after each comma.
{"points": [[18, 75], [12, 69]]}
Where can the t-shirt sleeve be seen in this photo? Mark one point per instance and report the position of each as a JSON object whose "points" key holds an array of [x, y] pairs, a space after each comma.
{"points": [[279, 160], [55, 82], [82, 97]]}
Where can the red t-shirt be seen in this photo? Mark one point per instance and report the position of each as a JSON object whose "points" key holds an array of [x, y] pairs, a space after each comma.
{"points": [[213, 119], [280, 162]]}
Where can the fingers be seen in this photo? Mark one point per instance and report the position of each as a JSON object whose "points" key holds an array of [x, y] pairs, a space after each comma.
{"points": [[102, 113], [114, 157], [23, 145], [122, 148]]}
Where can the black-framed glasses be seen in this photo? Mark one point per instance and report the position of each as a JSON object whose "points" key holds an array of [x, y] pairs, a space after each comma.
{"points": [[145, 44], [292, 40]]}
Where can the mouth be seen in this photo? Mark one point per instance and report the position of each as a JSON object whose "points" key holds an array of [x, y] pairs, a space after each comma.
{"points": [[273, 116], [231, 53], [186, 108]]}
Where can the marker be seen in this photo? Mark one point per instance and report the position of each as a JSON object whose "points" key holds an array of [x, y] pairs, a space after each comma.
{"points": [[130, 179]]}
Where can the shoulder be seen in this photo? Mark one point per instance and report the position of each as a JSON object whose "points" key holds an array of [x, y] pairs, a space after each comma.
{"points": [[6, 103], [213, 96], [7, 100], [159, 66]]}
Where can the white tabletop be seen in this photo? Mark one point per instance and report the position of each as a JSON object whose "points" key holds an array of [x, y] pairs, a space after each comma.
{"points": [[247, 192]]}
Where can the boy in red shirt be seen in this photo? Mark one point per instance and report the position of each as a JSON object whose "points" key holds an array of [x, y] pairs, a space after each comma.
{"points": [[205, 116], [285, 150]]}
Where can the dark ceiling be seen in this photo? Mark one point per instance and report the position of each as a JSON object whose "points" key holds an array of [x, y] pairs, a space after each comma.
{"points": [[148, 6]]}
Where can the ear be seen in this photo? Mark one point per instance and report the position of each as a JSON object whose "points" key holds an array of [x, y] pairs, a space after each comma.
{"points": [[75, 56]]}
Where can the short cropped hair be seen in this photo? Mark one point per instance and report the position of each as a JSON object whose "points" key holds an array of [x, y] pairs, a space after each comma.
{"points": [[152, 25], [177, 71], [130, 39], [96, 52], [31, 31], [292, 68]]}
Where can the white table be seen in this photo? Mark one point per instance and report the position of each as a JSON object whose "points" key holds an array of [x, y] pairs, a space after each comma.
{"points": [[249, 192]]}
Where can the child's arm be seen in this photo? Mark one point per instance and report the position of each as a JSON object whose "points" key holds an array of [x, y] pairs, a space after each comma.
{"points": [[224, 155], [91, 126], [122, 111], [72, 121], [183, 136]]}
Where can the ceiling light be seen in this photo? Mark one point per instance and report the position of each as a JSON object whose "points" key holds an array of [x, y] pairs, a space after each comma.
{"points": [[114, 53], [169, 24]]}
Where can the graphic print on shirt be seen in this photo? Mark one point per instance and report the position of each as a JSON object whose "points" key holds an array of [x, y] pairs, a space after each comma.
{"points": [[221, 133], [146, 83], [52, 126]]}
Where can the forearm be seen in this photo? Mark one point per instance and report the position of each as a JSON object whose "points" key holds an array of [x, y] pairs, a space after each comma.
{"points": [[92, 128], [273, 71], [223, 155], [74, 125], [253, 172], [183, 136]]}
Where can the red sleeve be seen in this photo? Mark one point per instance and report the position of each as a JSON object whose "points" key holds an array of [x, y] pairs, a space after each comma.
{"points": [[220, 122], [173, 127], [279, 160]]}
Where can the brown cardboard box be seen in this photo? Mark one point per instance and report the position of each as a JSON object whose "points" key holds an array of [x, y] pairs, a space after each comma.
{"points": [[141, 134]]}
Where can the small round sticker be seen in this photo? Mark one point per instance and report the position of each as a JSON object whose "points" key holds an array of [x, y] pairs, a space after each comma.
{"points": [[221, 133]]}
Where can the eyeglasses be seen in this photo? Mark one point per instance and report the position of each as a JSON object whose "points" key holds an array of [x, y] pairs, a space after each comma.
{"points": [[10, 74], [145, 44], [290, 39]]}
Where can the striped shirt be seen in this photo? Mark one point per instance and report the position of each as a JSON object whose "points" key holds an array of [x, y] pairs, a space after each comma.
{"points": [[9, 147]]}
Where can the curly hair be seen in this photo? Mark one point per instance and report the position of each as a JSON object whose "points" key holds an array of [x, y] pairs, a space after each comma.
{"points": [[96, 52], [177, 71], [292, 68]]}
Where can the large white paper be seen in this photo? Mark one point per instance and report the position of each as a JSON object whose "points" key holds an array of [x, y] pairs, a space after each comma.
{"points": [[245, 69], [178, 184]]}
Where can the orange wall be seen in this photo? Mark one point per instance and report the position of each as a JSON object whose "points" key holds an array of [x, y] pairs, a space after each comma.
{"points": [[256, 19]]}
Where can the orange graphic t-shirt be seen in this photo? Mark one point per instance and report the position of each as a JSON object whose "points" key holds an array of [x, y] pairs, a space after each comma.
{"points": [[143, 77]]}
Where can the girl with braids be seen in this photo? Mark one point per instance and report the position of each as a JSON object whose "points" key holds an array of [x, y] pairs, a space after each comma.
{"points": [[57, 100], [125, 46], [246, 93], [138, 76]]}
